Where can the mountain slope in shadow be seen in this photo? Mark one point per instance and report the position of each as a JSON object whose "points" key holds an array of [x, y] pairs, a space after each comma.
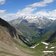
{"points": [[11, 29], [9, 46], [52, 37]]}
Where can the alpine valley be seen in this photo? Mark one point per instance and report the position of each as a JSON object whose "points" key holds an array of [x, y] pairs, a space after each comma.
{"points": [[28, 37]]}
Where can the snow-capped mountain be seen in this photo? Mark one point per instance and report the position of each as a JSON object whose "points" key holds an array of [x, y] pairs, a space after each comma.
{"points": [[40, 22]]}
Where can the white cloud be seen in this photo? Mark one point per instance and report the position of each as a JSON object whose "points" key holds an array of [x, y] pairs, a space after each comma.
{"points": [[49, 14], [48, 1], [32, 7], [2, 11], [7, 16], [52, 14], [2, 2], [42, 13], [41, 3], [25, 12]]}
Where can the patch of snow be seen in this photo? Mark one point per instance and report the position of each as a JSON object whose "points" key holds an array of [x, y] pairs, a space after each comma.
{"points": [[34, 46], [52, 47], [48, 51], [45, 43], [46, 47]]}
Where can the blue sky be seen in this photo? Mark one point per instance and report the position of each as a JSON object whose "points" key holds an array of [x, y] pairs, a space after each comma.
{"points": [[15, 5], [8, 8]]}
